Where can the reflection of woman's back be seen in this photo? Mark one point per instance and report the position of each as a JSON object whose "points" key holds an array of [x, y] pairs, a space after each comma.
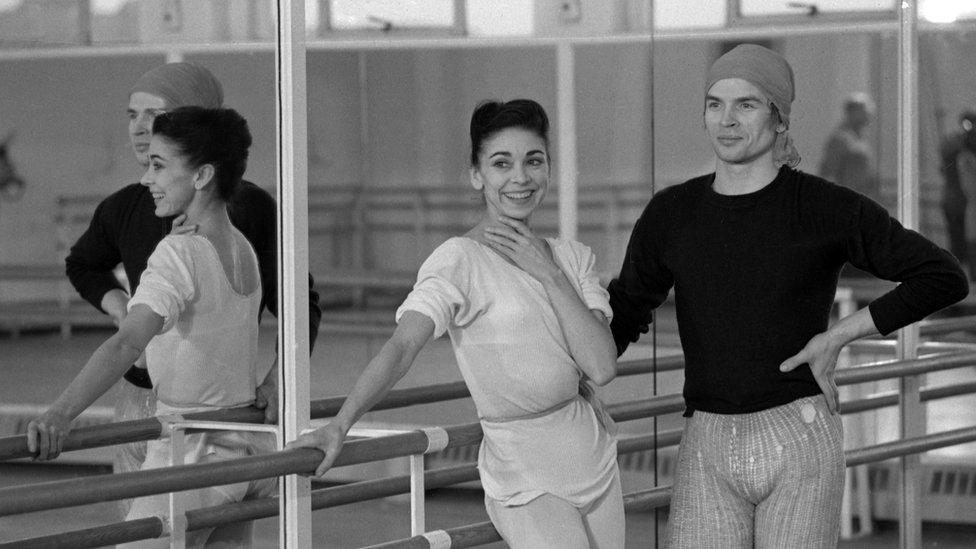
{"points": [[194, 313], [204, 359], [209, 294], [206, 287]]}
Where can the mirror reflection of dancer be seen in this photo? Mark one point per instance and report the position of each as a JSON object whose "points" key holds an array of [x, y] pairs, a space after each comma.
{"points": [[753, 253], [528, 322], [848, 158], [11, 184], [194, 314], [124, 229]]}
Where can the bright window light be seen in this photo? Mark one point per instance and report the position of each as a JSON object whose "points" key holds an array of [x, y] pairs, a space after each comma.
{"points": [[803, 7], [677, 14], [107, 8], [352, 14], [311, 16], [500, 17], [946, 11], [10, 5]]}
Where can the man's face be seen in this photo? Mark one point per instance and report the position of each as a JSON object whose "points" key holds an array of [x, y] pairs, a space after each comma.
{"points": [[859, 115], [739, 122], [143, 109]]}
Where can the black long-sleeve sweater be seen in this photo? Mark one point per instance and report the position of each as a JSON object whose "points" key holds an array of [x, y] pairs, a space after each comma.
{"points": [[125, 229], [754, 278]]}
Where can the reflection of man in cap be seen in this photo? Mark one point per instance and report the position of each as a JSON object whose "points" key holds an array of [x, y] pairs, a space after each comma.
{"points": [[125, 230], [753, 252], [848, 157], [958, 155]]}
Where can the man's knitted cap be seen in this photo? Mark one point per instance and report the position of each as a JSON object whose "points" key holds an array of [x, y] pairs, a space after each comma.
{"points": [[182, 85], [764, 68]]}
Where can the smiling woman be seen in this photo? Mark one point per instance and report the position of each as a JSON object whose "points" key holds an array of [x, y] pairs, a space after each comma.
{"points": [[194, 313], [528, 322], [171, 181], [510, 166]]}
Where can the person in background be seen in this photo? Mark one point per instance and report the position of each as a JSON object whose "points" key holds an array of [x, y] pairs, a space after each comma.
{"points": [[848, 157], [527, 320], [125, 230], [194, 314], [753, 252], [958, 166]]}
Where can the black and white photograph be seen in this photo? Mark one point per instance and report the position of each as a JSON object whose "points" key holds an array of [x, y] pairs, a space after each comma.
{"points": [[527, 274]]}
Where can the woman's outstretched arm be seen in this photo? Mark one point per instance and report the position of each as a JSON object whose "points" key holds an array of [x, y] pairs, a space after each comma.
{"points": [[383, 372], [46, 433]]}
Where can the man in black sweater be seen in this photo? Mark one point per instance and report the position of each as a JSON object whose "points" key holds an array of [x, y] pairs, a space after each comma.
{"points": [[753, 252], [125, 230]]}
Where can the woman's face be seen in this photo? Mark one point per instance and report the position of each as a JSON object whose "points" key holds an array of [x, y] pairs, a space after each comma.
{"points": [[169, 178], [512, 172]]}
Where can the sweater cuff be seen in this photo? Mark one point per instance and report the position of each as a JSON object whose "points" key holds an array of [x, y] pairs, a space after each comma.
{"points": [[96, 293], [888, 314]]}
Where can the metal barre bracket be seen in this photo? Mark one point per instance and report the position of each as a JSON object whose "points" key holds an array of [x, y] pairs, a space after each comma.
{"points": [[166, 423], [437, 439], [438, 539], [170, 525]]}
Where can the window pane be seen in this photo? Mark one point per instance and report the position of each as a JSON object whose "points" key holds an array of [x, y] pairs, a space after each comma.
{"points": [[671, 14], [946, 11], [783, 7], [375, 14]]}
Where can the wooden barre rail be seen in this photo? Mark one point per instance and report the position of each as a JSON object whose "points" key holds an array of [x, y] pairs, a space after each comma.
{"points": [[209, 517], [68, 493], [15, 447], [890, 398], [481, 533], [80, 491], [472, 535], [902, 368], [917, 445], [946, 325], [252, 510]]}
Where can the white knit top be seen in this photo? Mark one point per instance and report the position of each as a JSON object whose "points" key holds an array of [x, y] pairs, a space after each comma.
{"points": [[515, 360], [205, 355]]}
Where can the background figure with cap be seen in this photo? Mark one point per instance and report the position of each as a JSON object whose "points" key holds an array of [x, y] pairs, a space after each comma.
{"points": [[753, 252], [848, 157], [125, 230], [957, 154], [194, 315]]}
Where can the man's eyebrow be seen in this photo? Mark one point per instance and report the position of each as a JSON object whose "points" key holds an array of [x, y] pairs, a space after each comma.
{"points": [[737, 99]]}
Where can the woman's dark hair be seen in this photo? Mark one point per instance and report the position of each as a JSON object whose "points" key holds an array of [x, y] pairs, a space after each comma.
{"points": [[491, 117], [219, 137]]}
